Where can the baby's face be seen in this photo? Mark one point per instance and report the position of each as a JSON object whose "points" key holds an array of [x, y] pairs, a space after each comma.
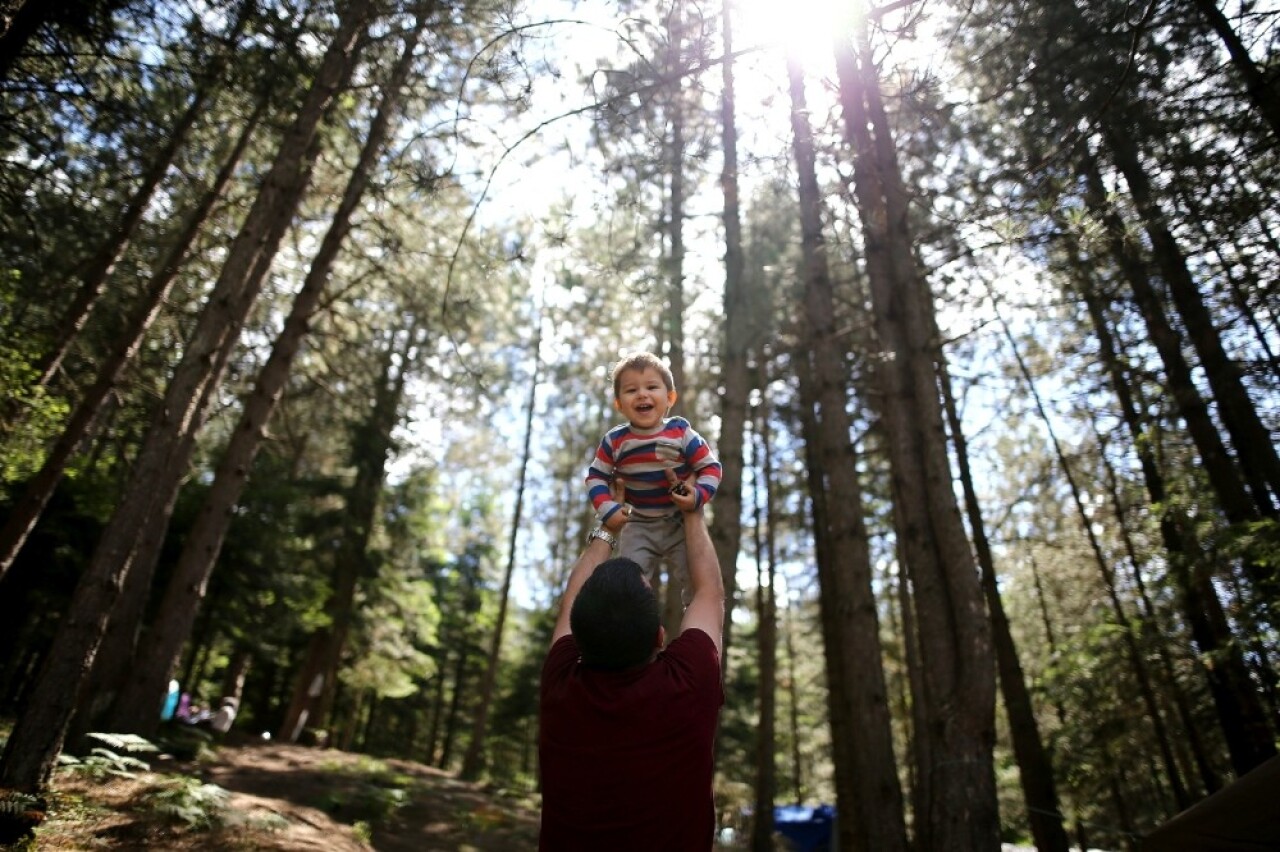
{"points": [[643, 397]]}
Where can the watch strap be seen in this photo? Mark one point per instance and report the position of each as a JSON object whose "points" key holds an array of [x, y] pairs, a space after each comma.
{"points": [[605, 536]]}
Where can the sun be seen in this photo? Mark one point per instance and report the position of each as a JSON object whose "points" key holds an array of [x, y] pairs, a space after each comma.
{"points": [[805, 29]]}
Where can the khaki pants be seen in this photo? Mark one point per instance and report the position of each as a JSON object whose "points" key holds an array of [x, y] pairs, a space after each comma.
{"points": [[651, 540]]}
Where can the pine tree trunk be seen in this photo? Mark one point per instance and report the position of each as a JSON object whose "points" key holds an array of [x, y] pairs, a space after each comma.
{"points": [[869, 797], [37, 736], [1239, 712], [453, 718], [1137, 659], [370, 452], [145, 687], [119, 643], [1035, 769], [1243, 280], [23, 22], [673, 608], [957, 788], [1149, 623], [1249, 436], [97, 269], [1261, 93], [35, 496], [432, 751], [473, 759], [1219, 466], [726, 529], [766, 781], [793, 711], [236, 673]]}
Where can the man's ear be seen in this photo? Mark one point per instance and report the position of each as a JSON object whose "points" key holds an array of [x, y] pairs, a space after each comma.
{"points": [[662, 637]]}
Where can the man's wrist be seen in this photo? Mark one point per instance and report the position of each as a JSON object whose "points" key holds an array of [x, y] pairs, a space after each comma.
{"points": [[604, 535]]}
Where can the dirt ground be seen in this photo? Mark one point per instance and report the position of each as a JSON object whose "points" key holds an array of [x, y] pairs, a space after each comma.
{"points": [[288, 798]]}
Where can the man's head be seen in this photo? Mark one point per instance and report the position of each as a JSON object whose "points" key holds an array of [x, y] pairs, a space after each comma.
{"points": [[615, 618]]}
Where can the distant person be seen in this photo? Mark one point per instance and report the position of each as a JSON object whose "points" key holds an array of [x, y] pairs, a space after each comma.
{"points": [[197, 715], [637, 455], [626, 728], [183, 713], [225, 716]]}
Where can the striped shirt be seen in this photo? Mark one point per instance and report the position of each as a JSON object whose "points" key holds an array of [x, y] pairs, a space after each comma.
{"points": [[640, 459]]}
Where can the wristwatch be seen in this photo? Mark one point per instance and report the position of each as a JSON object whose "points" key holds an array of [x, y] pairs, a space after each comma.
{"points": [[605, 536]]}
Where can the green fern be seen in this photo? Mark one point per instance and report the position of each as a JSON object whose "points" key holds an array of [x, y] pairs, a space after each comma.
{"points": [[107, 761], [103, 763], [20, 813], [189, 800], [131, 743]]}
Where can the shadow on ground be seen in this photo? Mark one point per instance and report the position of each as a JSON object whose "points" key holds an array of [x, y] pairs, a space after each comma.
{"points": [[288, 799]]}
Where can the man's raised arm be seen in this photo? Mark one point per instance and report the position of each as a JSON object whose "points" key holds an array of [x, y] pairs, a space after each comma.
{"points": [[597, 551], [706, 606]]}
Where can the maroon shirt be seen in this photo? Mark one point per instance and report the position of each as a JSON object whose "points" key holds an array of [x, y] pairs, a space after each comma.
{"points": [[626, 757]]}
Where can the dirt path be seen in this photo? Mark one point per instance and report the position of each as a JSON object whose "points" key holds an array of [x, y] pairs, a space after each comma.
{"points": [[291, 799]]}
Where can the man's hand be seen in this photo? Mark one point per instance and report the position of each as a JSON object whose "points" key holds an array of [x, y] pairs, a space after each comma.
{"points": [[682, 493], [618, 519]]}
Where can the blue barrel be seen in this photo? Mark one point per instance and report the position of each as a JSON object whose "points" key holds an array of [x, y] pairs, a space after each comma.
{"points": [[808, 829], [170, 702]]}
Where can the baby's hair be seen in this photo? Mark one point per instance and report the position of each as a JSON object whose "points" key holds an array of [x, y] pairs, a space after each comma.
{"points": [[641, 361]]}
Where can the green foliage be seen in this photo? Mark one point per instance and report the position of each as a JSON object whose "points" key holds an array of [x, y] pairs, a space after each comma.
{"points": [[1258, 541], [186, 742], [20, 814], [31, 415], [1045, 82], [367, 802], [191, 801], [107, 761], [375, 795]]}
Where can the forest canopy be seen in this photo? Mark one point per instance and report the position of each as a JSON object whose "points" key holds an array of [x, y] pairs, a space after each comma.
{"points": [[307, 313]]}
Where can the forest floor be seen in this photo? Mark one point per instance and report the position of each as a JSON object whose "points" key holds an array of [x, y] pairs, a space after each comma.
{"points": [[270, 796]]}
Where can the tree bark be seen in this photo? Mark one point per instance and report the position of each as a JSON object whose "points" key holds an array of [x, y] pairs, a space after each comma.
{"points": [[957, 795], [1239, 711], [452, 719], [38, 734], [144, 689], [22, 519], [473, 759], [869, 798], [1137, 660], [793, 710], [1262, 94], [1149, 625], [673, 609], [1219, 466], [97, 269], [314, 689], [766, 781], [1035, 769], [726, 527], [1250, 438], [24, 20]]}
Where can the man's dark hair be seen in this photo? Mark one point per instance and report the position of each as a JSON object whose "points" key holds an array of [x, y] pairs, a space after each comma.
{"points": [[615, 617]]}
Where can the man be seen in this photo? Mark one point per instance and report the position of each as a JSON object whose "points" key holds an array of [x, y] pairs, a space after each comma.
{"points": [[627, 729]]}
